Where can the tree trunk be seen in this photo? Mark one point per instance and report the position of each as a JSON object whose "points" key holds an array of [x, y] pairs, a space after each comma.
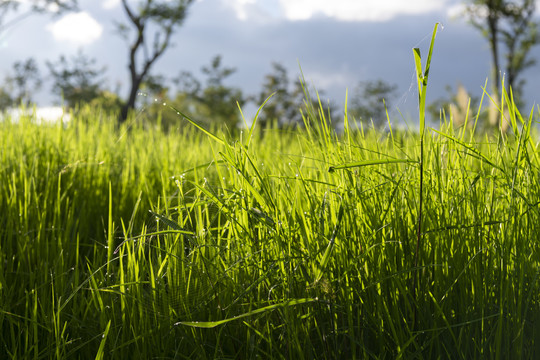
{"points": [[130, 105]]}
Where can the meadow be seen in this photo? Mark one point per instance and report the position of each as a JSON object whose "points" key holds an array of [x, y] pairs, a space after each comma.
{"points": [[130, 242]]}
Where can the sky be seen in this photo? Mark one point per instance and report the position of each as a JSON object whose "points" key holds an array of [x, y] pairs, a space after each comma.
{"points": [[336, 43]]}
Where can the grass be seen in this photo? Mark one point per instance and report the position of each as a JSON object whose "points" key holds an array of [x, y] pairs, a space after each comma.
{"points": [[131, 243]]}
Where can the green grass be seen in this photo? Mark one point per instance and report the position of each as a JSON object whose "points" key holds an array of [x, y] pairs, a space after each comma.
{"points": [[131, 243]]}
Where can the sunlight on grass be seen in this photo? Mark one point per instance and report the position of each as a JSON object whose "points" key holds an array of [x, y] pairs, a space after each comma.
{"points": [[127, 242]]}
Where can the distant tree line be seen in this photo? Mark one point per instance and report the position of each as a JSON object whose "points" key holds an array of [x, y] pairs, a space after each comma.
{"points": [[78, 80], [508, 25]]}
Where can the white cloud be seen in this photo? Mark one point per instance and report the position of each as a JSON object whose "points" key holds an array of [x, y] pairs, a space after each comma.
{"points": [[110, 4], [78, 28], [354, 10], [345, 10], [456, 11], [325, 80], [240, 7]]}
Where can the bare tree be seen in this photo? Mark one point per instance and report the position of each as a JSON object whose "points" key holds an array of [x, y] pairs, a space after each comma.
{"points": [[160, 17]]}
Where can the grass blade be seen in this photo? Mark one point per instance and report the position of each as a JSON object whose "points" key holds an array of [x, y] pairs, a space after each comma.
{"points": [[101, 351], [326, 257], [212, 324], [369, 163]]}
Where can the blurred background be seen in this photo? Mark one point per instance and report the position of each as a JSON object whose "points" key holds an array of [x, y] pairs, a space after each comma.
{"points": [[202, 56]]}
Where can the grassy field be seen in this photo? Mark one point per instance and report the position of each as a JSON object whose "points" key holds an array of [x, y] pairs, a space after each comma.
{"points": [[126, 242]]}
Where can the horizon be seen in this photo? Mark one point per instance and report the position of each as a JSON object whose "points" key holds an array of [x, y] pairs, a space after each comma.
{"points": [[336, 46]]}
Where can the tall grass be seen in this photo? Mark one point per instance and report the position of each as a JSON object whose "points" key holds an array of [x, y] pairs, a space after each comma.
{"points": [[131, 243]]}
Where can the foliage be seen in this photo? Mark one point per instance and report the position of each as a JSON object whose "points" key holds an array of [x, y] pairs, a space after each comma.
{"points": [[25, 79], [512, 24], [5, 99], [76, 80], [210, 101], [214, 102], [288, 103], [370, 101], [106, 101], [519, 38]]}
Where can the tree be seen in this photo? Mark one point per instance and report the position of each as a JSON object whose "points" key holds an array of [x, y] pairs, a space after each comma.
{"points": [[30, 7], [511, 24], [367, 104], [285, 104], [215, 103], [5, 100], [520, 36], [78, 80], [155, 93], [24, 79], [290, 103], [17, 89], [106, 101], [153, 89], [161, 16]]}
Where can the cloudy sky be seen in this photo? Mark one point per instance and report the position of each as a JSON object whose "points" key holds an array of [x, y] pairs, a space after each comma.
{"points": [[337, 43]]}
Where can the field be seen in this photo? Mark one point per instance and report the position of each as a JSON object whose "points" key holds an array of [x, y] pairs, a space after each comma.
{"points": [[128, 242]]}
